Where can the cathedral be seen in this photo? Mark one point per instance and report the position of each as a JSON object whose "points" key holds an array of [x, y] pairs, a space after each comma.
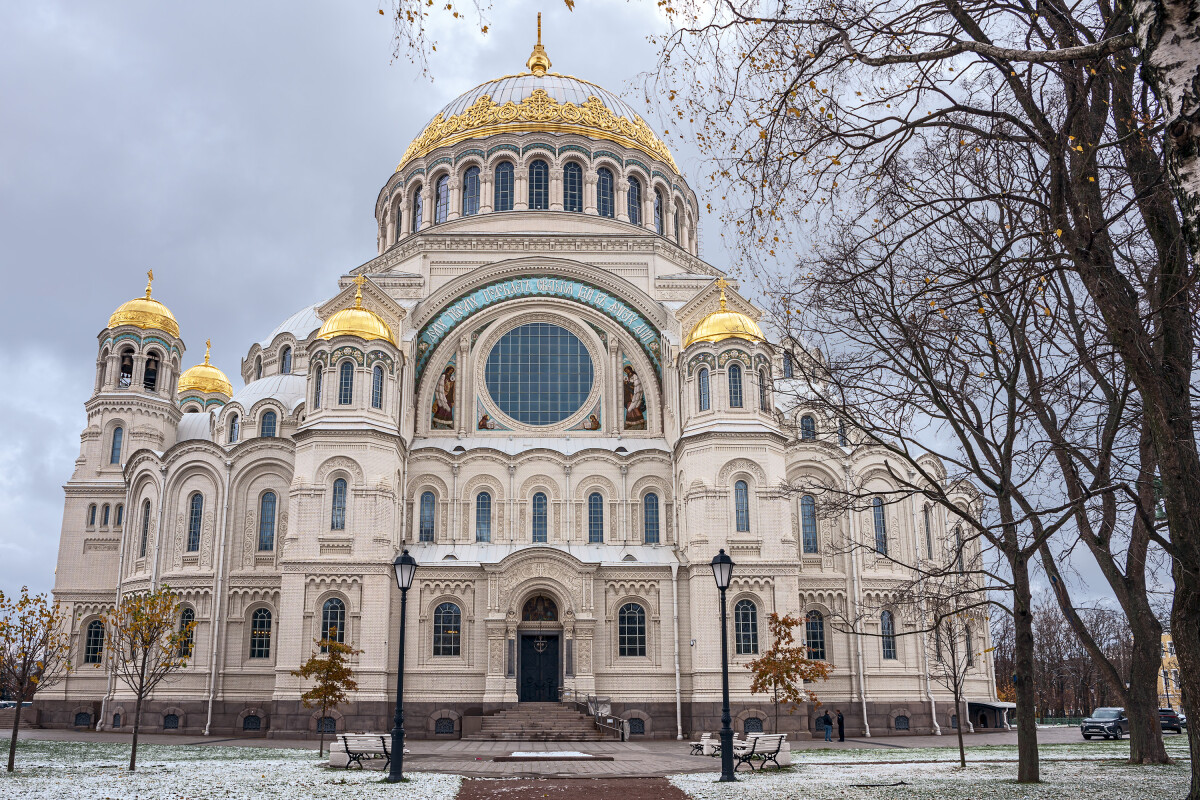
{"points": [[538, 388]]}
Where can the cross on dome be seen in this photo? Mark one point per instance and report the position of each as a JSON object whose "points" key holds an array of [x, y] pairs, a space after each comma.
{"points": [[539, 62], [359, 281]]}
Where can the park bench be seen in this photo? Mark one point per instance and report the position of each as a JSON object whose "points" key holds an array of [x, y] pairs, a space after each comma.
{"points": [[717, 745], [698, 747], [366, 745], [764, 748]]}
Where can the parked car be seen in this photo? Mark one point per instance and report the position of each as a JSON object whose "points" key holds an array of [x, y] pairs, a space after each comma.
{"points": [[1170, 720], [1111, 723]]}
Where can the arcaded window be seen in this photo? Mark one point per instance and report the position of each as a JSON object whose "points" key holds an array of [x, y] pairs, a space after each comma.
{"points": [[483, 517], [470, 197], [808, 428], [702, 383], [260, 633], [270, 421], [266, 522], [285, 361], [539, 517], [427, 512], [418, 209], [333, 620], [318, 383], [187, 632], [150, 376], [114, 453], [735, 386], [377, 387], [91, 516], [337, 515], [93, 648], [595, 517], [745, 628], [604, 192], [741, 506], [658, 212], [887, 632], [120, 516], [631, 630], [573, 187], [539, 185], [650, 518], [441, 199], [880, 526], [814, 635], [125, 380], [145, 529], [808, 523], [104, 516], [235, 428], [447, 630], [195, 521], [345, 383], [635, 201], [502, 194]]}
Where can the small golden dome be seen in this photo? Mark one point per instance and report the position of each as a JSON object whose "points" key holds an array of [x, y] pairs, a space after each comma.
{"points": [[724, 324], [357, 321], [145, 312], [205, 377]]}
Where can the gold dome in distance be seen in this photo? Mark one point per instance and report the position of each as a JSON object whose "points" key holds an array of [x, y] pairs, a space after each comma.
{"points": [[145, 312], [724, 324], [357, 321], [205, 378]]}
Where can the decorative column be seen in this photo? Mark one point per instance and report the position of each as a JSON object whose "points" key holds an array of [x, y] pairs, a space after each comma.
{"points": [[426, 206], [556, 188], [512, 511], [464, 385], [589, 191], [485, 190], [455, 197], [668, 219], [617, 391], [648, 209], [569, 497], [626, 528], [621, 198], [521, 189]]}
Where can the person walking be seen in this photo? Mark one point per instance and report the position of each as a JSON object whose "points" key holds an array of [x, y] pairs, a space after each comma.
{"points": [[841, 721], [827, 722]]}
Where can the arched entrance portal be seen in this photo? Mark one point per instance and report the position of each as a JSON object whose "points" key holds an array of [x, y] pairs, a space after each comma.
{"points": [[540, 663]]}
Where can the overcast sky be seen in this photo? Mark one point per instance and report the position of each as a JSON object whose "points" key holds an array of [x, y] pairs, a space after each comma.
{"points": [[236, 149]]}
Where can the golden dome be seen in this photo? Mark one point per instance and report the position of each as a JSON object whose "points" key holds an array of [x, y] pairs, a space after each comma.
{"points": [[724, 324], [357, 321], [205, 377], [145, 312]]}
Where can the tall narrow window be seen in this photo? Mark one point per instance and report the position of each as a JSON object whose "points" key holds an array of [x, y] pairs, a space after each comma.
{"points": [[187, 632], [114, 453], [887, 631], [318, 383], [258, 368], [337, 514], [843, 441], [880, 526], [808, 523], [959, 548], [235, 428], [969, 645], [745, 628], [120, 516], [572, 187], [635, 201], [333, 620], [539, 185], [595, 517], [658, 212], [270, 421], [266, 522], [762, 391], [678, 229], [789, 367], [260, 633], [702, 384], [502, 193], [145, 529], [91, 516], [540, 532], [418, 209], [447, 630], [631, 630], [377, 387], [150, 376], [427, 512], [735, 386], [483, 517], [814, 636], [928, 516], [93, 648], [470, 198], [604, 192], [126, 377], [195, 520], [808, 428], [104, 516], [441, 200], [741, 506], [650, 518], [345, 383], [285, 361]]}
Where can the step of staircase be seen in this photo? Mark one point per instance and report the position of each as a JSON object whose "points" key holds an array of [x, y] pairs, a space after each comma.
{"points": [[538, 722]]}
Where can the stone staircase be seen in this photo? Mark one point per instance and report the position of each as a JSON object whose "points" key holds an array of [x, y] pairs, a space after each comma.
{"points": [[538, 722]]}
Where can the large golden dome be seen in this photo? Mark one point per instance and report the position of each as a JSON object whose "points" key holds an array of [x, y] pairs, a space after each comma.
{"points": [[724, 324], [145, 312], [357, 321], [205, 377], [538, 100]]}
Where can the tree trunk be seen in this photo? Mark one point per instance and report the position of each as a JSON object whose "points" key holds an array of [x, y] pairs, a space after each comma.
{"points": [[1028, 770], [12, 746], [958, 709], [137, 723], [321, 732], [1145, 731], [1185, 627]]}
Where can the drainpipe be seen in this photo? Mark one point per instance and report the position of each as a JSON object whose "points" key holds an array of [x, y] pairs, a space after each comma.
{"points": [[216, 608], [675, 625], [862, 675]]}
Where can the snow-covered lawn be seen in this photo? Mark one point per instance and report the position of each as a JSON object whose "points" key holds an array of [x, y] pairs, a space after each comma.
{"points": [[1098, 750], [96, 771]]}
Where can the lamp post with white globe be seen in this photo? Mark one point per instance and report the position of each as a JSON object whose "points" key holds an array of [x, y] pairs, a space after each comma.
{"points": [[722, 567], [405, 567]]}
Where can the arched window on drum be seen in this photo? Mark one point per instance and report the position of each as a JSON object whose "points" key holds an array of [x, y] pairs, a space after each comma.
{"points": [[705, 398], [604, 192], [573, 187], [377, 387], [634, 198], [735, 386], [741, 506], [539, 185], [502, 189], [417, 210], [441, 200], [470, 197]]}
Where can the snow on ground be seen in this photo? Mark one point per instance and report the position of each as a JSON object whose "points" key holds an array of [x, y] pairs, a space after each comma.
{"points": [[49, 770], [1097, 750]]}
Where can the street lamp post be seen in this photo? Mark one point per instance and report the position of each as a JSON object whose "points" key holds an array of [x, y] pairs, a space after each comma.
{"points": [[722, 567], [405, 567]]}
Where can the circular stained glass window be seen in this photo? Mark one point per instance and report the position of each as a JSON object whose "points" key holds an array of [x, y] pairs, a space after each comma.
{"points": [[539, 374]]}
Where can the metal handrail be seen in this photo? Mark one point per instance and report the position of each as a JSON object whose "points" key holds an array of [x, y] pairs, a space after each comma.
{"points": [[607, 723]]}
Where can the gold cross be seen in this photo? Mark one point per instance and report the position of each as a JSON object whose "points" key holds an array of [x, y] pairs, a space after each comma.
{"points": [[150, 280], [360, 280], [207, 348]]}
